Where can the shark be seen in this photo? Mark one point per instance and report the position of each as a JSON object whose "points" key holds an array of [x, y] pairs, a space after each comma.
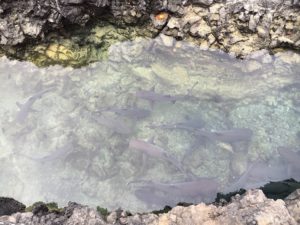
{"points": [[26, 108], [132, 112], [161, 193], [228, 136], [148, 148], [60, 153], [190, 124], [153, 97]]}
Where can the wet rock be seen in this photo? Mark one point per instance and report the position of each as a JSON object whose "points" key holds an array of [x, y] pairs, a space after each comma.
{"points": [[9, 206]]}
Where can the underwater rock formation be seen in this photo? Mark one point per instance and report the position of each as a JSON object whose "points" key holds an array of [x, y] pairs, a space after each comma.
{"points": [[235, 26], [253, 207]]}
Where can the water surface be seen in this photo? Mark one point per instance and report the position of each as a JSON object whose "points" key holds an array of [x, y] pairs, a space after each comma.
{"points": [[157, 123]]}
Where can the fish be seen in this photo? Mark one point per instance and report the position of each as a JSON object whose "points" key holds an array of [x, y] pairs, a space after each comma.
{"points": [[241, 181], [156, 152], [189, 124], [59, 153], [25, 108], [115, 124], [147, 196], [152, 96], [228, 136], [132, 113], [257, 174], [201, 187]]}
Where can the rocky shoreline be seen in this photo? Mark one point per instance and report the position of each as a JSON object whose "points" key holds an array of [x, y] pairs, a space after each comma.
{"points": [[253, 207], [236, 27], [78, 32]]}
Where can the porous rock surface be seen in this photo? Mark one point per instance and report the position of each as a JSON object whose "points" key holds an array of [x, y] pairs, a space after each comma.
{"points": [[251, 208], [235, 26]]}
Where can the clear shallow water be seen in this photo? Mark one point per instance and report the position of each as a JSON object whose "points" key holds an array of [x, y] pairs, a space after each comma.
{"points": [[152, 125]]}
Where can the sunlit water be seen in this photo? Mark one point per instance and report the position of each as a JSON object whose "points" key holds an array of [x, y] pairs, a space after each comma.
{"points": [[151, 126]]}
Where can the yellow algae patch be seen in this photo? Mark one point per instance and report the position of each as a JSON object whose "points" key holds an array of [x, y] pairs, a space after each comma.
{"points": [[51, 52], [64, 53], [59, 52], [175, 75]]}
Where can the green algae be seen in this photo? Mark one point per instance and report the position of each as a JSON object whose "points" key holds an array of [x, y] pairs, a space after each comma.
{"points": [[52, 206], [75, 46], [166, 209], [102, 211]]}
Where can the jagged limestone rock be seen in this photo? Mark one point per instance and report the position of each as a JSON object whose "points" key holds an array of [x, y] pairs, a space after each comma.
{"points": [[250, 208], [238, 27], [293, 205]]}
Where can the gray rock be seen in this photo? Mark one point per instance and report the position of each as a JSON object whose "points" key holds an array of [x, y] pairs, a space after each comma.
{"points": [[9, 206], [237, 26], [202, 2], [85, 215], [40, 209], [251, 208]]}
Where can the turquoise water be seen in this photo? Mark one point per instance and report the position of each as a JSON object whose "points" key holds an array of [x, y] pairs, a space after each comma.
{"points": [[157, 123]]}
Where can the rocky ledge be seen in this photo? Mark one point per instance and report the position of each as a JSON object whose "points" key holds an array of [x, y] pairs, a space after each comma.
{"points": [[235, 26], [253, 207]]}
